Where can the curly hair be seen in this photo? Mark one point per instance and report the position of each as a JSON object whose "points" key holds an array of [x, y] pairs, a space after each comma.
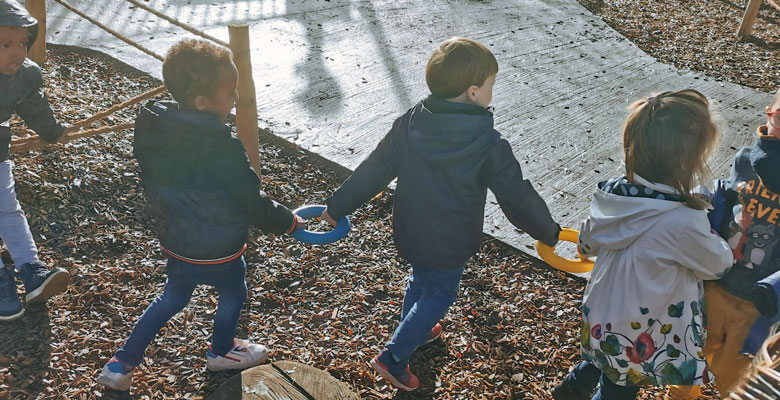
{"points": [[192, 67], [457, 64]]}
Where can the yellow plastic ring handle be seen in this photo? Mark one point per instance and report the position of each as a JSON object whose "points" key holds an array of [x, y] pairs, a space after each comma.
{"points": [[577, 266]]}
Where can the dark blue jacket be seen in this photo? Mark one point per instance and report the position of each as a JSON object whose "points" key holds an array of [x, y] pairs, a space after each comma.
{"points": [[752, 225], [22, 92], [445, 156], [200, 188]]}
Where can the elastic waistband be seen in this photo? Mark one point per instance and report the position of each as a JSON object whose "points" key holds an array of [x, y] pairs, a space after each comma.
{"points": [[207, 262]]}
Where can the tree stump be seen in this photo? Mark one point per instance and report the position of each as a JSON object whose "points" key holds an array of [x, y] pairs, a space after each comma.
{"points": [[283, 380]]}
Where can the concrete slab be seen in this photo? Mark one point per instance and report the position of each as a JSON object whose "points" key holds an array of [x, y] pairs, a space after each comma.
{"points": [[332, 75]]}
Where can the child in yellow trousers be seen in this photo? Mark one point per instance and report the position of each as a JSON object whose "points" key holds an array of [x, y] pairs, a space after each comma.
{"points": [[751, 228]]}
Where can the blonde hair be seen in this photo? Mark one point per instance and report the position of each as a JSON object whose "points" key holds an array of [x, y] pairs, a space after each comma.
{"points": [[668, 138], [761, 382], [192, 67], [457, 64]]}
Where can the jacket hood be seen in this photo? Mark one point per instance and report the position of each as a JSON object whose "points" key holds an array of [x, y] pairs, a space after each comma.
{"points": [[164, 132], [766, 158], [620, 214], [14, 15], [445, 133]]}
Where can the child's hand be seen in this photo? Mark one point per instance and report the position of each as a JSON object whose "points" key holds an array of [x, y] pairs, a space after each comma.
{"points": [[300, 223], [326, 217]]}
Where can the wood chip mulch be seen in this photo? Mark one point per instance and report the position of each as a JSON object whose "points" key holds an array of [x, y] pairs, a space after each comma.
{"points": [[701, 36], [511, 335]]}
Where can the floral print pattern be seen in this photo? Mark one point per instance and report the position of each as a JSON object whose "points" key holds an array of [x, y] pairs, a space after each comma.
{"points": [[662, 348]]}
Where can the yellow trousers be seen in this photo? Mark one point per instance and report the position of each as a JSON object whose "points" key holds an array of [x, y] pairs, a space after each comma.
{"points": [[729, 319]]}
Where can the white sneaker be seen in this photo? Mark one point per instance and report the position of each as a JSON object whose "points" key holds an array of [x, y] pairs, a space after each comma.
{"points": [[114, 376], [243, 355]]}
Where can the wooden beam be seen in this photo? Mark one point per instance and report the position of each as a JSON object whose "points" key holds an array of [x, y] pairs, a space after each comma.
{"points": [[37, 9], [751, 12], [246, 108]]}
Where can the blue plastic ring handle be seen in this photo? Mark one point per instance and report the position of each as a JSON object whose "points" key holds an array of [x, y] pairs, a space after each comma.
{"points": [[311, 237]]}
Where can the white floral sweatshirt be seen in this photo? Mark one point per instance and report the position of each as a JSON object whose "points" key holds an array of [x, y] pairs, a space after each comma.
{"points": [[642, 319]]}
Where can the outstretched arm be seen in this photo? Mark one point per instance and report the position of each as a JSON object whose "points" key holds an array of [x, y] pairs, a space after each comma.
{"points": [[371, 176], [242, 183], [520, 202], [36, 111]]}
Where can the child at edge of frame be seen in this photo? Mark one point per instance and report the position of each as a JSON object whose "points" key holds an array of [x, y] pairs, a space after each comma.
{"points": [[643, 311], [446, 155], [749, 223], [21, 85], [203, 196]]}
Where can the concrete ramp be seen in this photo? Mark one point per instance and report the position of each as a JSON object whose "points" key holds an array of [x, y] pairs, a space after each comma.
{"points": [[331, 76]]}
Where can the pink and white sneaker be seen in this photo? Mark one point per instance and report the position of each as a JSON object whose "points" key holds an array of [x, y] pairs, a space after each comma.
{"points": [[434, 333], [242, 356]]}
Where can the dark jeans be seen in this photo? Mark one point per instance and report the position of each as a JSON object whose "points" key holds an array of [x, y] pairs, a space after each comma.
{"points": [[429, 294], [183, 278], [585, 376]]}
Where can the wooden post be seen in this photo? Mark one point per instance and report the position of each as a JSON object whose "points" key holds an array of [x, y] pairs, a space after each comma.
{"points": [[37, 9], [246, 109], [751, 12]]}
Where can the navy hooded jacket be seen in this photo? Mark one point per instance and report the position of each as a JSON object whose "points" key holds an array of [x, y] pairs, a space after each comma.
{"points": [[22, 92], [445, 156], [201, 190]]}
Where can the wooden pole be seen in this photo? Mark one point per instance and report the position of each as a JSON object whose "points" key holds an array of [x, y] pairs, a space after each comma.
{"points": [[37, 9], [246, 108], [751, 12]]}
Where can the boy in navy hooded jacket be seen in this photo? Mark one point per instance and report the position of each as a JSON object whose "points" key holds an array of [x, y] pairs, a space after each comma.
{"points": [[204, 196], [446, 155]]}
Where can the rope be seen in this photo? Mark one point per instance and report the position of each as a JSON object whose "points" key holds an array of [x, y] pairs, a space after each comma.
{"points": [[135, 100], [36, 142], [109, 30], [179, 24]]}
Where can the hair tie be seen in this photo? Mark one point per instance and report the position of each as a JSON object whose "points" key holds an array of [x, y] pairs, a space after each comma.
{"points": [[653, 102]]}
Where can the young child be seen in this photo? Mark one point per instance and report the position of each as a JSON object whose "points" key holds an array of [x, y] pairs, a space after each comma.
{"points": [[21, 92], [751, 228], [642, 308], [204, 196], [446, 154]]}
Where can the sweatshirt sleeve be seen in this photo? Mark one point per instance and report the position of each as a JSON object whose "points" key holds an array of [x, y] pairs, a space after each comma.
{"points": [[519, 201], [701, 249], [371, 176], [35, 110], [237, 177]]}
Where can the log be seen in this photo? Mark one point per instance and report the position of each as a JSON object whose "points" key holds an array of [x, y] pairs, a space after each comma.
{"points": [[751, 13], [246, 108], [283, 380], [37, 9]]}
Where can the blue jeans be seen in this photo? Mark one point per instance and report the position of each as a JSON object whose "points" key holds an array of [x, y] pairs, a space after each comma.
{"points": [[429, 294], [585, 376], [183, 278], [14, 229]]}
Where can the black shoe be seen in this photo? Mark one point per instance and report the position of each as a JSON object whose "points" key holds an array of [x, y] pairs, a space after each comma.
{"points": [[565, 391], [10, 305], [41, 283]]}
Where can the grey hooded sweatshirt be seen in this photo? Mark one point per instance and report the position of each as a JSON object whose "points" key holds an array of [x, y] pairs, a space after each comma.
{"points": [[23, 92], [446, 156]]}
